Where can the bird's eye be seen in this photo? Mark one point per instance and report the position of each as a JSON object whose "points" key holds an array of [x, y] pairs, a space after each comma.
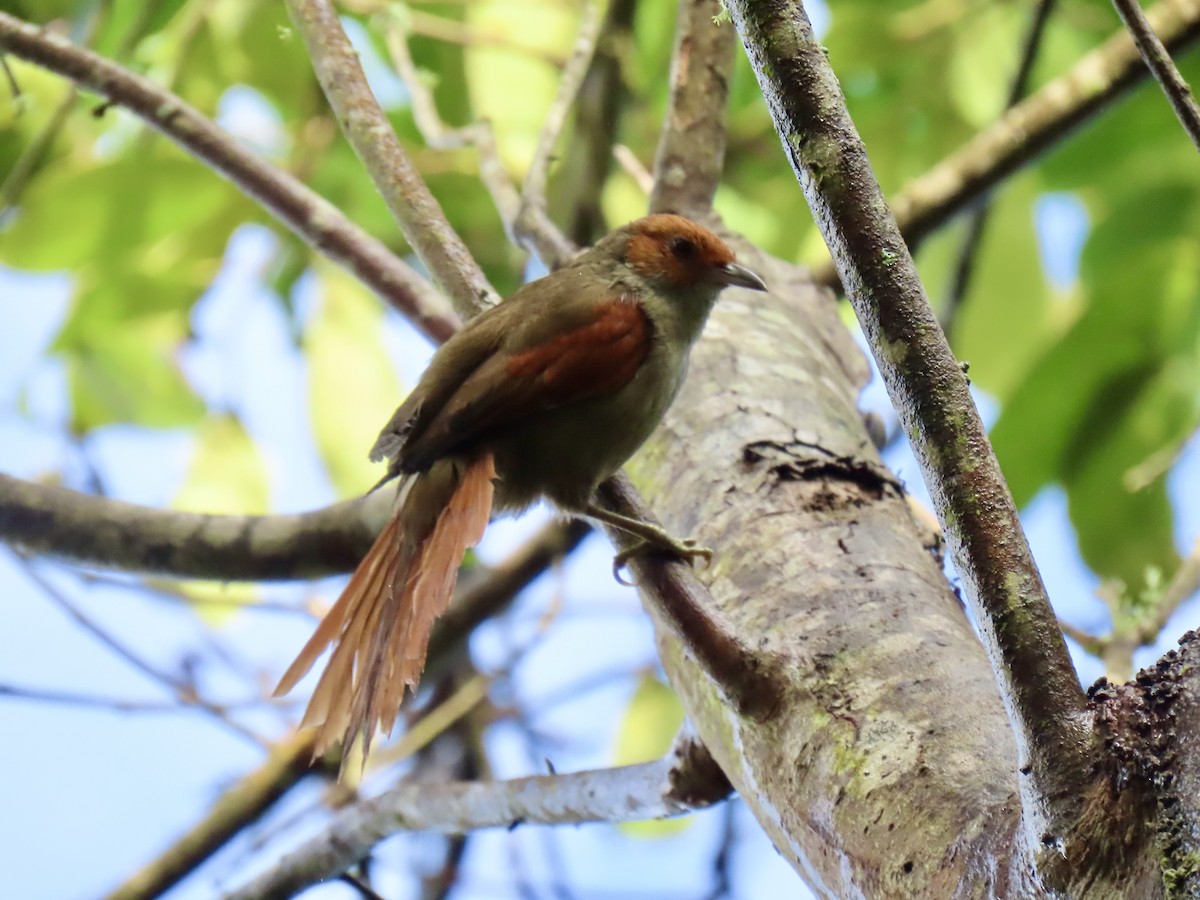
{"points": [[683, 248]]}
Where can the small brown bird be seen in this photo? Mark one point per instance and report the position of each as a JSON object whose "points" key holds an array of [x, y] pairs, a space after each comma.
{"points": [[544, 395]]}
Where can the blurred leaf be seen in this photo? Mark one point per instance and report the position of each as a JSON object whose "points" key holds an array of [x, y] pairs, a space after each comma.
{"points": [[352, 386], [125, 15], [495, 65], [227, 475], [985, 57], [71, 217], [1120, 387], [649, 725], [1009, 318], [129, 374]]}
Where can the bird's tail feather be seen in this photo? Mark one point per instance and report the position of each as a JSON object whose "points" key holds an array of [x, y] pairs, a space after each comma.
{"points": [[381, 623]]}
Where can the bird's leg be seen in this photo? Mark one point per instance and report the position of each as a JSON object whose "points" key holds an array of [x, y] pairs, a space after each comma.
{"points": [[650, 538]]}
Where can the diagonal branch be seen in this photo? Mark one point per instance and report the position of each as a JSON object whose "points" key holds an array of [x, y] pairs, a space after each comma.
{"points": [[437, 134], [1032, 127], [685, 780], [978, 222], [308, 215], [395, 177], [929, 391], [1159, 61], [244, 802], [533, 227]]}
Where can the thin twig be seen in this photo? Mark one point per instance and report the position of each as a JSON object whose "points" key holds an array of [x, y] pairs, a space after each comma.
{"points": [[1159, 61], [684, 780], [308, 215], [241, 804], [364, 890], [977, 224], [185, 693], [533, 227], [115, 704], [438, 135], [633, 167], [1182, 586], [290, 761], [1089, 642], [369, 132], [1030, 128], [930, 393]]}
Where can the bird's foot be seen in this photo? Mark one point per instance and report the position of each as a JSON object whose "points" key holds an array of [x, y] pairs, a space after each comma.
{"points": [[686, 549]]}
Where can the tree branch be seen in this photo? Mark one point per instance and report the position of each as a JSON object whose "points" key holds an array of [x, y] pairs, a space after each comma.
{"points": [[243, 803], [309, 216], [291, 760], [79, 528], [691, 148], [533, 227], [438, 135], [927, 387], [1158, 60], [978, 221], [672, 588], [685, 780], [370, 134], [1032, 127]]}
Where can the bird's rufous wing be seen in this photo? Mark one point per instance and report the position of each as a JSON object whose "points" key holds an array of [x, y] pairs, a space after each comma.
{"points": [[598, 355]]}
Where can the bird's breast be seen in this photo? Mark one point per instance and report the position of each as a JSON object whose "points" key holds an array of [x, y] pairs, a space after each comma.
{"points": [[566, 451]]}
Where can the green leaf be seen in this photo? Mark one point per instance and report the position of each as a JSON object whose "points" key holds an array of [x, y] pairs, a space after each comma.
{"points": [[352, 386], [649, 725], [1120, 388], [129, 374], [1010, 318], [146, 208]]}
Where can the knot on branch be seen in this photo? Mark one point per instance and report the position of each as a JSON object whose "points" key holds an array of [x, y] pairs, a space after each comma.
{"points": [[801, 461]]}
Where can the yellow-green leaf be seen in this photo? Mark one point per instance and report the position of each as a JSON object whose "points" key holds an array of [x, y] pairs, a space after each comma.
{"points": [[352, 386], [650, 723]]}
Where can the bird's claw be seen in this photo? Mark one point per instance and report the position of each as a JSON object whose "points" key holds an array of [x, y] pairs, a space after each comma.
{"points": [[687, 550]]}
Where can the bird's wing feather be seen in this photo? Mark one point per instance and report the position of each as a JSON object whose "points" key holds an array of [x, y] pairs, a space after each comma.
{"points": [[598, 355]]}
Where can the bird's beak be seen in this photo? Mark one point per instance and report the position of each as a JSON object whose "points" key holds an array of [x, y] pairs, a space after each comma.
{"points": [[737, 275]]}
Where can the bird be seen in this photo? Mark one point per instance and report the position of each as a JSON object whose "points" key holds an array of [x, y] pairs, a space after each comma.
{"points": [[544, 395]]}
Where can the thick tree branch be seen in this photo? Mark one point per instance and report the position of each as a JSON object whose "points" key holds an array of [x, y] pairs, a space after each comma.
{"points": [[94, 531], [930, 393], [685, 780], [1159, 61], [1032, 127], [691, 148], [309, 216], [370, 134]]}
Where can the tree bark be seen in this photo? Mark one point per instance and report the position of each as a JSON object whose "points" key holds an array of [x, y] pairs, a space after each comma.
{"points": [[887, 767]]}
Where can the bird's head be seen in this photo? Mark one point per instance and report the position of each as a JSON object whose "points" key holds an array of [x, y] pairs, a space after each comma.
{"points": [[675, 254]]}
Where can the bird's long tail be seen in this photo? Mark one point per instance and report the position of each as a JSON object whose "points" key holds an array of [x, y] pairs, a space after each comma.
{"points": [[380, 625]]}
